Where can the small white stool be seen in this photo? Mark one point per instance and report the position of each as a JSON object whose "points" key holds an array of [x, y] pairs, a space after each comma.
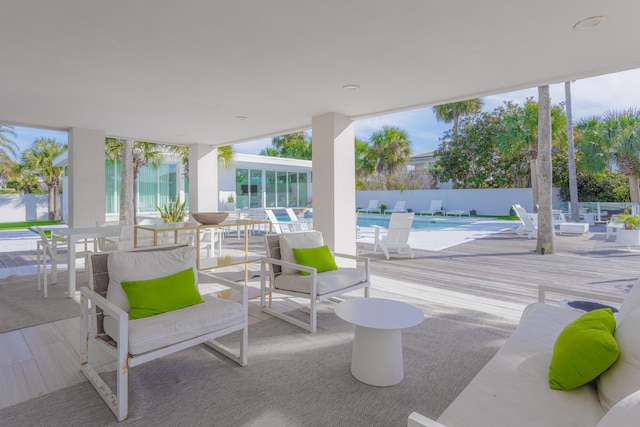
{"points": [[574, 228]]}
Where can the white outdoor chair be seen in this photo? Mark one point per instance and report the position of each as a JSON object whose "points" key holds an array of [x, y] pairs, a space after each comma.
{"points": [[434, 208], [285, 278], [397, 237], [55, 255], [297, 223], [399, 207], [278, 226], [527, 223], [373, 207], [105, 322]]}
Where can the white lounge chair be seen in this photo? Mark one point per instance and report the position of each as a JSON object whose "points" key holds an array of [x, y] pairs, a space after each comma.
{"points": [[297, 224], [527, 223], [399, 207], [397, 238], [373, 207], [278, 226], [434, 208]]}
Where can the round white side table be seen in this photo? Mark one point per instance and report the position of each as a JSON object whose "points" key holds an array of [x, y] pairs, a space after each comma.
{"points": [[377, 345]]}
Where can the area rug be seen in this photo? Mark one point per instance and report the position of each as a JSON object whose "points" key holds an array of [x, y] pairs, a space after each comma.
{"points": [[293, 378], [22, 305]]}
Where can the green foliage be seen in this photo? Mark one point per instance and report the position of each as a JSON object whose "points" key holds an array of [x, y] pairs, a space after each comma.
{"points": [[231, 199], [174, 211], [470, 157], [631, 222], [383, 206], [606, 186], [292, 146]]}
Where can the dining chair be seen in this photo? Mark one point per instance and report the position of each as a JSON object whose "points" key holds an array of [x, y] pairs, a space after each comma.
{"points": [[55, 254]]}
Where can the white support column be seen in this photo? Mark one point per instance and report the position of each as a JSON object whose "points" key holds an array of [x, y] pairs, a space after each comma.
{"points": [[86, 198], [203, 178], [334, 183]]}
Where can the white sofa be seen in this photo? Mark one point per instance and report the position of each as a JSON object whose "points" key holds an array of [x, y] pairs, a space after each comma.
{"points": [[513, 388]]}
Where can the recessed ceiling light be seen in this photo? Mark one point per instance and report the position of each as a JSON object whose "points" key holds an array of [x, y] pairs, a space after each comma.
{"points": [[590, 23], [241, 117], [351, 88]]}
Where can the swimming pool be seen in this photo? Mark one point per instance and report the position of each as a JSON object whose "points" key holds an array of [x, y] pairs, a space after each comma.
{"points": [[419, 223]]}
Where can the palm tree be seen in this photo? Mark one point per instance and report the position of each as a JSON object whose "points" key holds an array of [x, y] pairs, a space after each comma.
{"points": [[521, 136], [613, 140], [293, 146], [225, 154], [571, 157], [390, 149], [364, 167], [270, 151], [141, 153], [545, 131], [7, 145], [39, 158], [453, 111]]}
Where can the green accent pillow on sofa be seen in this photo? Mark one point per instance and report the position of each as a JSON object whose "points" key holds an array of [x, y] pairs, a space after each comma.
{"points": [[319, 258], [157, 296], [584, 349]]}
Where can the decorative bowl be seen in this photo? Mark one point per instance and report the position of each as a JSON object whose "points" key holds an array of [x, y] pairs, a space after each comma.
{"points": [[210, 218]]}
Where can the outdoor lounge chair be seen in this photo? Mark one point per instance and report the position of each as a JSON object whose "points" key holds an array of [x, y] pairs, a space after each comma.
{"points": [[105, 315], [399, 207], [434, 208], [397, 238], [285, 275], [527, 223], [373, 207], [297, 223], [278, 226]]}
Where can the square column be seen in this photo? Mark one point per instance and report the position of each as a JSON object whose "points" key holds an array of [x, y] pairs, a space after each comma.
{"points": [[203, 178], [334, 182], [86, 177]]}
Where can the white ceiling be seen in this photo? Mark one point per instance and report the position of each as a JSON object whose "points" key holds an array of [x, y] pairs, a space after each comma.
{"points": [[182, 71]]}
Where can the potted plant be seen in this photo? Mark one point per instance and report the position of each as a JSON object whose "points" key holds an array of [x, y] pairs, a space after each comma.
{"points": [[231, 203], [173, 211], [630, 234], [382, 207]]}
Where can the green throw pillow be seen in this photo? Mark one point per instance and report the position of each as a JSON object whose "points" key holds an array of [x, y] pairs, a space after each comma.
{"points": [[583, 350], [319, 258], [156, 296]]}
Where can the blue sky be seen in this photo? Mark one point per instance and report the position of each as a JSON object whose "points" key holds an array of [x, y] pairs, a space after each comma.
{"points": [[590, 97]]}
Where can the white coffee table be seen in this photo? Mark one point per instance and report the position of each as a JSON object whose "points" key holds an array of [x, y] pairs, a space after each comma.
{"points": [[377, 345]]}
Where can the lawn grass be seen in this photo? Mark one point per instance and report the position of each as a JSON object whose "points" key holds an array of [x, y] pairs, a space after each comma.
{"points": [[23, 225]]}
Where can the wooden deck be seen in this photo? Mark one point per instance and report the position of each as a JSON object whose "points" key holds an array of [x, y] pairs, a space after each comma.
{"points": [[497, 275]]}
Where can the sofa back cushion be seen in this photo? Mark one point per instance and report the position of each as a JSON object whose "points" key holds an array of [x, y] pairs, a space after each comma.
{"points": [[134, 266], [625, 413], [288, 241], [623, 378], [631, 302]]}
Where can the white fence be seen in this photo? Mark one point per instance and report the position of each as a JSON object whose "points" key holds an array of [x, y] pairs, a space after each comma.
{"points": [[24, 207], [490, 201]]}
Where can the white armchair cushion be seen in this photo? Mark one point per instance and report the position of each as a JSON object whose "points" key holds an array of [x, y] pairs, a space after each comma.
{"points": [[623, 378], [625, 413], [151, 333], [328, 281], [288, 241], [131, 266]]}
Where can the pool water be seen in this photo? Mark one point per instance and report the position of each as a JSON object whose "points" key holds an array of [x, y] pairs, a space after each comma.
{"points": [[418, 223]]}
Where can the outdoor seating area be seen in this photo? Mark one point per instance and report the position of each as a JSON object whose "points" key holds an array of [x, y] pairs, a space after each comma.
{"points": [[430, 284]]}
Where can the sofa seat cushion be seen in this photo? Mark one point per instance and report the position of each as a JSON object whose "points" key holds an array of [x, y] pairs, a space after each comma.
{"points": [[329, 281], [513, 388], [152, 333]]}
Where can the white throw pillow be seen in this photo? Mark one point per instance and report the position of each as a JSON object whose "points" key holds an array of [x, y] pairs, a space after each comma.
{"points": [[288, 241], [625, 413], [144, 265], [623, 377], [631, 302]]}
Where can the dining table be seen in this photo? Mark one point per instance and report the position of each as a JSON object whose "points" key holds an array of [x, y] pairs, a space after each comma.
{"points": [[73, 236]]}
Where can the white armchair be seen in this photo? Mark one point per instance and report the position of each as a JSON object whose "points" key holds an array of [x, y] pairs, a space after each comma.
{"points": [[285, 278], [105, 319]]}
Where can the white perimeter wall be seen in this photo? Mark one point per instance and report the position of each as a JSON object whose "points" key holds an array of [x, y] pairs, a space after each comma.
{"points": [[484, 201], [23, 207]]}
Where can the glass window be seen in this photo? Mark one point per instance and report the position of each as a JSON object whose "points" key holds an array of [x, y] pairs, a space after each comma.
{"points": [[242, 188], [255, 191], [293, 189], [270, 189], [112, 186], [281, 189], [147, 189], [302, 189]]}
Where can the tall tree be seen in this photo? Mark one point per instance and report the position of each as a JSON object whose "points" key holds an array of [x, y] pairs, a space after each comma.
{"points": [[293, 146], [390, 149], [571, 157], [364, 167], [134, 155], [545, 218], [7, 144], [39, 158], [452, 112], [225, 154], [613, 140], [521, 136]]}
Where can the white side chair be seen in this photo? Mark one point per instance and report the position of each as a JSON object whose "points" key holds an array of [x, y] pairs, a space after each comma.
{"points": [[55, 255]]}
